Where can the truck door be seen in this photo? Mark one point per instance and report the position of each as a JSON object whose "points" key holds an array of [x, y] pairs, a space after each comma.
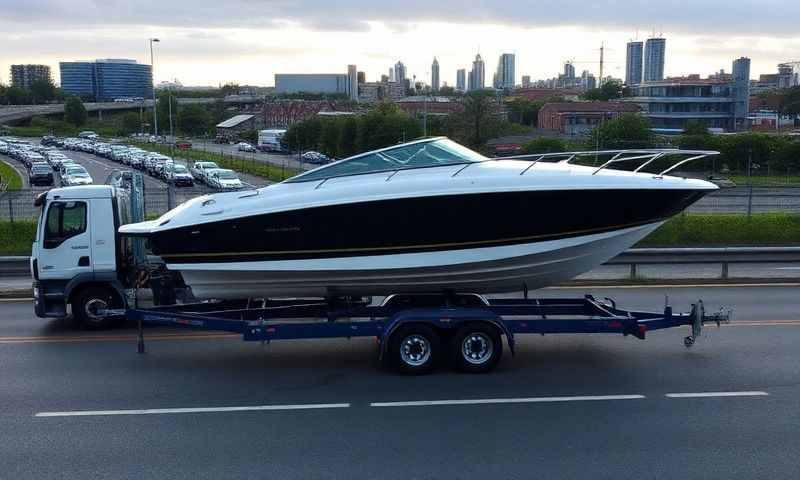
{"points": [[65, 251], [103, 228]]}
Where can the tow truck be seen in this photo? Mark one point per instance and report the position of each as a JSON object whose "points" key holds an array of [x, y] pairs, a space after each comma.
{"points": [[83, 269]]}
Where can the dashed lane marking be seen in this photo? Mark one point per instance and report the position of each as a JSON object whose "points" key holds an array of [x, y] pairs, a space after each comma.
{"points": [[157, 411], [716, 394], [487, 401]]}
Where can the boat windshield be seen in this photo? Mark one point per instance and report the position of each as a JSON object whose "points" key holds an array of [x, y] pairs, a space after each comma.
{"points": [[436, 152]]}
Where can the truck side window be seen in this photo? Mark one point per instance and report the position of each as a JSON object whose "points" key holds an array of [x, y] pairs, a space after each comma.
{"points": [[64, 220]]}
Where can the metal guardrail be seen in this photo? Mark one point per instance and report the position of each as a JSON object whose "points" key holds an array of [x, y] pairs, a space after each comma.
{"points": [[724, 256]]}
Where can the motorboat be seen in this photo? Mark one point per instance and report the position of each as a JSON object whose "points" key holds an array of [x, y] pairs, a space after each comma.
{"points": [[424, 216]]}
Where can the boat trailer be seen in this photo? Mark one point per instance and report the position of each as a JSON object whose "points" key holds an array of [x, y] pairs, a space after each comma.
{"points": [[410, 327]]}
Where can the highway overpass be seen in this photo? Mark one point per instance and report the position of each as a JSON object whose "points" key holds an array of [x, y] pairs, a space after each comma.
{"points": [[10, 113]]}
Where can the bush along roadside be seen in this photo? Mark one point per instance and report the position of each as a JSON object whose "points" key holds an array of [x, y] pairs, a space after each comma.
{"points": [[270, 172], [16, 238], [9, 177]]}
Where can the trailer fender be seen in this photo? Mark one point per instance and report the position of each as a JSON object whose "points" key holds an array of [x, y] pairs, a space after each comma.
{"points": [[444, 319]]}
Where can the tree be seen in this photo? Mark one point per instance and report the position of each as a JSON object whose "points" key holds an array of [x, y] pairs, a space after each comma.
{"points": [[524, 111], [629, 130], [229, 89], [695, 127], [329, 143], [194, 120], [742, 149], [610, 90], [348, 136], [130, 123], [545, 145], [74, 111], [479, 121], [42, 90], [18, 96]]}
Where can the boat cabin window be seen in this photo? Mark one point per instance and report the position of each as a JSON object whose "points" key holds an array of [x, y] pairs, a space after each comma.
{"points": [[431, 153]]}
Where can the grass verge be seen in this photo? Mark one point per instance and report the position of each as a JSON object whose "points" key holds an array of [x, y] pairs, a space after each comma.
{"points": [[243, 165], [16, 237], [9, 177], [707, 230], [766, 181]]}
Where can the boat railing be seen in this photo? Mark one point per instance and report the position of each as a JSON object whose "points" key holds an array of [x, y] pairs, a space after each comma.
{"points": [[608, 159]]}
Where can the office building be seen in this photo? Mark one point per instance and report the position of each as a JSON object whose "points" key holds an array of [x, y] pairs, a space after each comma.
{"points": [[505, 75], [105, 80], [654, 55], [435, 75], [588, 81], [526, 81], [461, 80], [740, 83], [362, 77], [719, 103], [477, 76], [580, 118], [352, 83], [23, 76], [633, 63], [399, 72]]}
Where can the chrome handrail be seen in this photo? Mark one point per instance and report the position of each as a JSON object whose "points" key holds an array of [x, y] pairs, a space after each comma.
{"points": [[617, 156]]}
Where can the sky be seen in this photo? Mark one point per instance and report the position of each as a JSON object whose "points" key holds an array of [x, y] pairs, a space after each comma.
{"points": [[212, 42]]}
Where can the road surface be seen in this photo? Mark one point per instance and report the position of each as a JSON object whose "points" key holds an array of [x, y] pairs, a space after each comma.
{"points": [[198, 405]]}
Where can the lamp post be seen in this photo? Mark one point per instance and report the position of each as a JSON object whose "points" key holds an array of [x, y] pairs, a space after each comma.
{"points": [[155, 114]]}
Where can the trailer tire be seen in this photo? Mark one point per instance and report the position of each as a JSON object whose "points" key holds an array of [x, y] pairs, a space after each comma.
{"points": [[476, 347], [413, 349], [89, 300]]}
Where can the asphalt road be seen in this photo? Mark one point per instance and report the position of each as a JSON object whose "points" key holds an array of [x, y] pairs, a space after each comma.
{"points": [[587, 406], [279, 160]]}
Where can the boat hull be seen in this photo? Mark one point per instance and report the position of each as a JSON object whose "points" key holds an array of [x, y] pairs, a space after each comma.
{"points": [[494, 269]]}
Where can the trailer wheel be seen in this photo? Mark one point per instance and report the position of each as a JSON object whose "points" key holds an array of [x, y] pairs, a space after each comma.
{"points": [[476, 347], [88, 302], [413, 349]]}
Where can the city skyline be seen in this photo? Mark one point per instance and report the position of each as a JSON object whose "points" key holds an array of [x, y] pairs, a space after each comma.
{"points": [[250, 47]]}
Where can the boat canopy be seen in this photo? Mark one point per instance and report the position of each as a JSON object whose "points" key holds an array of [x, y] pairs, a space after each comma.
{"points": [[431, 152]]}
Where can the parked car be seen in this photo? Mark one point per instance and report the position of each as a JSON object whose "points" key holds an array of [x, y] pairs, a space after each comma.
{"points": [[183, 144], [76, 175], [223, 179], [88, 134], [315, 157], [41, 174], [178, 175], [199, 169], [721, 182], [245, 147]]}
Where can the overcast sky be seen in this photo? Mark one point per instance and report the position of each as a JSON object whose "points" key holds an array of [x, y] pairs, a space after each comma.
{"points": [[206, 42]]}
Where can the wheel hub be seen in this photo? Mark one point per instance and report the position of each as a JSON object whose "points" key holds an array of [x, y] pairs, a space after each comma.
{"points": [[94, 307], [477, 348], [415, 350]]}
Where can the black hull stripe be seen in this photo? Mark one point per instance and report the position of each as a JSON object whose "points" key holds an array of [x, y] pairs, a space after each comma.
{"points": [[408, 249]]}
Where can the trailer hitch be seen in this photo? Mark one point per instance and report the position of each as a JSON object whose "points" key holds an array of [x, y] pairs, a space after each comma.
{"points": [[700, 318]]}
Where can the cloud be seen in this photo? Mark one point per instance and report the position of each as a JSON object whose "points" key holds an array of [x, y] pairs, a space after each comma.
{"points": [[739, 17]]}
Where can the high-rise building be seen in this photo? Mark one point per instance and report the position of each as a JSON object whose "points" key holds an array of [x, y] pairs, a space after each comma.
{"points": [[107, 79], [569, 71], [362, 77], [526, 81], [399, 72], [477, 76], [23, 76], [588, 81], [741, 92], [435, 75], [505, 75], [391, 75], [654, 55], [461, 80], [785, 77], [633, 63], [352, 84]]}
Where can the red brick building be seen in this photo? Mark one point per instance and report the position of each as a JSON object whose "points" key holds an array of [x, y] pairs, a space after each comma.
{"points": [[579, 118]]}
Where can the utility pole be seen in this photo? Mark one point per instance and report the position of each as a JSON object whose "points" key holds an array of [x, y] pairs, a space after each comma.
{"points": [[155, 114]]}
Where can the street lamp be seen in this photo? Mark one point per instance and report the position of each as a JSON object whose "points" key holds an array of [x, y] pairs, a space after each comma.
{"points": [[155, 116]]}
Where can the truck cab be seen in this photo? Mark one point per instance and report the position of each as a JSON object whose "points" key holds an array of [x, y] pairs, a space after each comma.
{"points": [[78, 258]]}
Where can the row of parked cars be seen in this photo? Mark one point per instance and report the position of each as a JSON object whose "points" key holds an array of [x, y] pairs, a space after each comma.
{"points": [[155, 164], [44, 163]]}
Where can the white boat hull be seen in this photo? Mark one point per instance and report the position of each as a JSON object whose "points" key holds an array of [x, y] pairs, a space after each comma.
{"points": [[478, 270]]}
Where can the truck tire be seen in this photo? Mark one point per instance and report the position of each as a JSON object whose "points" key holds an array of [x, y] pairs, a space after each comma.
{"points": [[413, 349], [88, 301], [476, 347]]}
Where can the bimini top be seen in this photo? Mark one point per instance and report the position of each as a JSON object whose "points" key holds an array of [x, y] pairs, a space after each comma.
{"points": [[430, 152]]}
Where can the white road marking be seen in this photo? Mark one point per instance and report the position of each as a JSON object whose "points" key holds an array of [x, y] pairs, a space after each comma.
{"points": [[486, 401], [716, 394], [667, 285], [156, 411]]}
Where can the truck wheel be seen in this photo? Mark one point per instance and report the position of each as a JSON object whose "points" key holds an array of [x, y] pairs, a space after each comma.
{"points": [[413, 349], [476, 348], [91, 300]]}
